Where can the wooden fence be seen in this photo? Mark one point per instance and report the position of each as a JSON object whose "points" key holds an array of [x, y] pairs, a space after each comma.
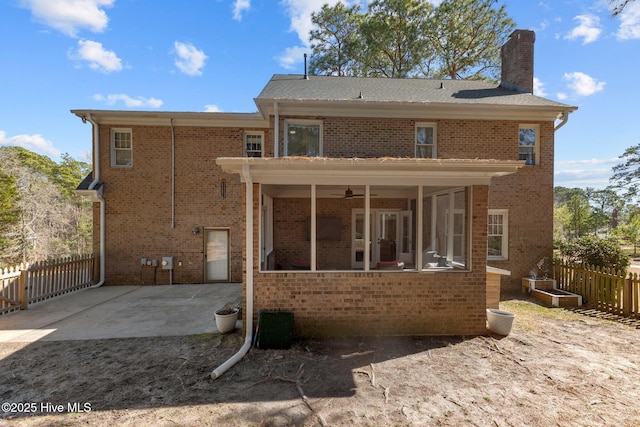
{"points": [[602, 288], [27, 284]]}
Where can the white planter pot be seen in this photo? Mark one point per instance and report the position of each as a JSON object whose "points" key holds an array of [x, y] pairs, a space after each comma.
{"points": [[500, 321], [226, 322]]}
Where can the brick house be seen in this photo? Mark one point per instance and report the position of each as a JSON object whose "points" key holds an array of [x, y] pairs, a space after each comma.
{"points": [[363, 205]]}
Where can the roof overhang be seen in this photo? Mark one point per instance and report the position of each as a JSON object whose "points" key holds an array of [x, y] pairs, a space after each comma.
{"points": [[168, 118], [409, 110], [372, 171]]}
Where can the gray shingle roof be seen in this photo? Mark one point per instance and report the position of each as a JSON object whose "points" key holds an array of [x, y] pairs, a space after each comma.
{"points": [[377, 89]]}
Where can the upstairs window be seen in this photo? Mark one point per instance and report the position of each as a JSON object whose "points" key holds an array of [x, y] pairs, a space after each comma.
{"points": [[426, 140], [303, 138], [253, 144], [528, 144], [121, 148]]}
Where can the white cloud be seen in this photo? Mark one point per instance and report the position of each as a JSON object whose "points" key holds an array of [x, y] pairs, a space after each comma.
{"points": [[240, 6], [292, 56], [69, 16], [98, 57], [128, 101], [630, 22], [589, 29], [189, 59], [564, 163], [595, 178], [562, 96], [538, 87], [31, 142], [211, 108], [583, 84]]}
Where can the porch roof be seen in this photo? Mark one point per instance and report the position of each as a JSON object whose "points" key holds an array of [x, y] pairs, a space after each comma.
{"points": [[372, 171]]}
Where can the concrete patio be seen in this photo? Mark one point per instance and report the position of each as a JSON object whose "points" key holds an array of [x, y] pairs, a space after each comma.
{"points": [[121, 312]]}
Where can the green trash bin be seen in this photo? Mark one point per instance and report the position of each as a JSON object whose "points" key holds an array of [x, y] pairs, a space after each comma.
{"points": [[275, 330]]}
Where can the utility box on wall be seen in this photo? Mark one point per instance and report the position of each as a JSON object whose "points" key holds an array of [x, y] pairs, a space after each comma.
{"points": [[167, 263]]}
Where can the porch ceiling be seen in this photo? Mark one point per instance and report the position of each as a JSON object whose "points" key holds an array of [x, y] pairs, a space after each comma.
{"points": [[372, 171]]}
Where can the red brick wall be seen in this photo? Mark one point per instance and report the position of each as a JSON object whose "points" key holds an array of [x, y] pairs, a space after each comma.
{"points": [[139, 199], [138, 203]]}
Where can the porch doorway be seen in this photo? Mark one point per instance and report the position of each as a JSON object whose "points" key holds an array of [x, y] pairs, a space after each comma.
{"points": [[392, 232], [216, 255]]}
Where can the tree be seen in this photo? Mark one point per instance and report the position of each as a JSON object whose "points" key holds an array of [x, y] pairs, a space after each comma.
{"points": [[593, 250], [618, 6], [604, 203], [631, 232], [45, 218], [393, 33], [467, 36], [626, 175], [409, 38], [336, 41], [579, 215]]}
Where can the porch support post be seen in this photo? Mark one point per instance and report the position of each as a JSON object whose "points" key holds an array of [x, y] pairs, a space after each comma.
{"points": [[367, 226], [420, 228], [312, 265]]}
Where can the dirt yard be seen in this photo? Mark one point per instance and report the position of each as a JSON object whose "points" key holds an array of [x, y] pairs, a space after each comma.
{"points": [[556, 368]]}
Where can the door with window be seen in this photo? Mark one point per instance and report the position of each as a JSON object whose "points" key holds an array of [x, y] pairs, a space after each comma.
{"points": [[216, 255]]}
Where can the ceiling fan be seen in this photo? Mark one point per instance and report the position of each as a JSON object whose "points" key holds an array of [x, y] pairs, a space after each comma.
{"points": [[348, 194]]}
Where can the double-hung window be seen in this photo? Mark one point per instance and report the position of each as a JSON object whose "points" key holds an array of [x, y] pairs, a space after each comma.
{"points": [[529, 144], [121, 148], [497, 235], [253, 143], [303, 138], [426, 140]]}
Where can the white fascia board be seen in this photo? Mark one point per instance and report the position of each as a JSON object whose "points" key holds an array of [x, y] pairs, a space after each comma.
{"points": [[165, 118], [411, 111]]}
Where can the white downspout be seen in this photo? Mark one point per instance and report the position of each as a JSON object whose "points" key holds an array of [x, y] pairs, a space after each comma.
{"points": [[96, 179], [276, 130], [249, 278]]}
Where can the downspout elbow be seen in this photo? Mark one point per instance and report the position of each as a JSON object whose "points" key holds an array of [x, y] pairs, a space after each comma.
{"points": [[565, 119]]}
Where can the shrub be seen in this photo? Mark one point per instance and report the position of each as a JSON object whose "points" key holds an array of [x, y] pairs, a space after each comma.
{"points": [[595, 251]]}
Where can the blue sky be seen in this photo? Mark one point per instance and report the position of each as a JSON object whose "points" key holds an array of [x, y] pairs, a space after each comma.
{"points": [[216, 55]]}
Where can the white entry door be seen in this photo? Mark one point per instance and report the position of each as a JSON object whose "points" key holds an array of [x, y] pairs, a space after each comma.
{"points": [[217, 255]]}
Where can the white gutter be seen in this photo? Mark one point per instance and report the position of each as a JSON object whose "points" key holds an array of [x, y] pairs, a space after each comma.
{"points": [[565, 119], [96, 180], [249, 278]]}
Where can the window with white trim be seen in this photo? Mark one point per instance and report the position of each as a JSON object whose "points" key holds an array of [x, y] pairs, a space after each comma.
{"points": [[303, 138], [253, 143], [529, 144], [121, 148], [426, 140], [498, 235]]}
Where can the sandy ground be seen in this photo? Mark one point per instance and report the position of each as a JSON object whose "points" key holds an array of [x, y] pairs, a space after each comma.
{"points": [[557, 367]]}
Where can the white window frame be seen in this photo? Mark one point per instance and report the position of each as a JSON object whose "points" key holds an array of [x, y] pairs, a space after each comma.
{"points": [[505, 234], [246, 152], [536, 146], [290, 122], [434, 151], [114, 149]]}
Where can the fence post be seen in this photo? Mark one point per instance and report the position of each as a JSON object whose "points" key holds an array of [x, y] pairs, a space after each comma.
{"points": [[22, 289], [626, 297]]}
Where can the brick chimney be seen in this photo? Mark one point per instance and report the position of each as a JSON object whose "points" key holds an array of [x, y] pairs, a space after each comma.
{"points": [[517, 61]]}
